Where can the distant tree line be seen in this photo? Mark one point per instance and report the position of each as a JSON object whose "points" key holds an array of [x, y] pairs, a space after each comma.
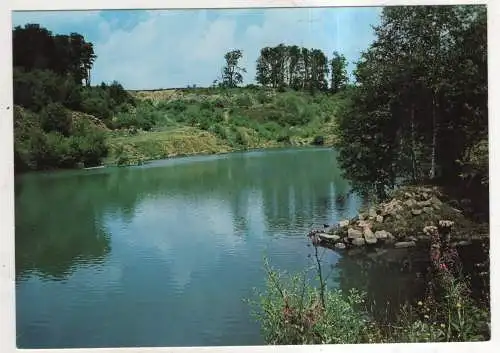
{"points": [[292, 66]]}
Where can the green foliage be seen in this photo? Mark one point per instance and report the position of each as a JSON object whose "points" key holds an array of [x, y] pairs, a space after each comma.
{"points": [[290, 66], [290, 312], [55, 118], [420, 100]]}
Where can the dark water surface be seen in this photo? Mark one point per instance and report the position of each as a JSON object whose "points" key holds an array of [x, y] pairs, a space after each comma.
{"points": [[164, 254]]}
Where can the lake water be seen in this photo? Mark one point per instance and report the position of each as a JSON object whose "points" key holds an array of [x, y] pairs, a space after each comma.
{"points": [[164, 254]]}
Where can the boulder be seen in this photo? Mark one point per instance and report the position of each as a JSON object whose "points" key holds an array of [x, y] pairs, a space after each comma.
{"points": [[369, 236], [410, 202], [340, 246], [344, 223], [382, 234], [379, 218], [328, 237], [425, 203], [428, 210], [372, 213], [364, 224], [405, 244], [358, 242], [354, 233], [416, 212]]}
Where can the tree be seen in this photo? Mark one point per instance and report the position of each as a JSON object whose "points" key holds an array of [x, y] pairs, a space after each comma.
{"points": [[420, 101], [232, 73], [338, 72]]}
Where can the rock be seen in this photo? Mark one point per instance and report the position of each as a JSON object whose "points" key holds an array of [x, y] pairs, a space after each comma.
{"points": [[328, 237], [410, 202], [437, 207], [424, 203], [354, 233], [436, 201], [364, 224], [382, 234], [407, 195], [404, 244], [344, 223], [425, 195], [412, 238], [427, 210], [379, 218], [416, 212], [340, 246], [390, 238], [361, 217], [372, 213], [358, 242], [369, 236], [464, 243]]}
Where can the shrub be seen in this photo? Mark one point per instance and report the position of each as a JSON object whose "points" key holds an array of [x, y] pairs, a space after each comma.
{"points": [[319, 141], [290, 312], [55, 118]]}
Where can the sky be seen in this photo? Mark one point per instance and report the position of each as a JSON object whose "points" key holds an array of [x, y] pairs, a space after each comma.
{"points": [[152, 49]]}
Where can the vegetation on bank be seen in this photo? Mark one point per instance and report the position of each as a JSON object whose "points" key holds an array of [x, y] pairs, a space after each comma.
{"points": [[417, 115], [217, 120], [61, 121], [294, 309]]}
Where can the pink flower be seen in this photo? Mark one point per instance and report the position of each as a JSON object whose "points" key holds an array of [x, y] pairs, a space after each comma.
{"points": [[442, 267]]}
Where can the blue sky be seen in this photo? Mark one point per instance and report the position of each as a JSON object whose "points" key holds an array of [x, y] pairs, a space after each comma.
{"points": [[147, 49]]}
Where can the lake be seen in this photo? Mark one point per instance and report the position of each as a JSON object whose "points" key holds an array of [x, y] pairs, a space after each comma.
{"points": [[164, 254]]}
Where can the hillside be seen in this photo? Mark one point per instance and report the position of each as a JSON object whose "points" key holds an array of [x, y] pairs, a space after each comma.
{"points": [[172, 122]]}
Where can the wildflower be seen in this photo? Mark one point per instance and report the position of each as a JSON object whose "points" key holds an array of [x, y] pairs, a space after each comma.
{"points": [[459, 305], [420, 303], [426, 316], [443, 267], [442, 326]]}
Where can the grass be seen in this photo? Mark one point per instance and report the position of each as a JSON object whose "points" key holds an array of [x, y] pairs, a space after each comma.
{"points": [[168, 123]]}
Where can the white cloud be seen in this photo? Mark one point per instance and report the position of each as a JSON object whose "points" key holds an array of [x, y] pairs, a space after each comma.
{"points": [[54, 18], [180, 48]]}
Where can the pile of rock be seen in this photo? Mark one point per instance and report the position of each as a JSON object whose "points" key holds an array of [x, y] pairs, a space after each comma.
{"points": [[381, 224]]}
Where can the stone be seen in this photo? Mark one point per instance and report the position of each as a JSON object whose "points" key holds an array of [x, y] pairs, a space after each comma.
{"points": [[361, 217], [369, 236], [436, 201], [328, 237], [425, 195], [372, 213], [364, 224], [405, 244], [382, 234], [340, 246], [379, 218], [416, 212], [412, 238], [344, 223], [427, 210], [410, 202], [424, 203], [354, 233], [464, 243], [358, 242]]}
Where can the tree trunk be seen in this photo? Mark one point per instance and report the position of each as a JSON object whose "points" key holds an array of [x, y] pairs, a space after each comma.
{"points": [[413, 146], [432, 172]]}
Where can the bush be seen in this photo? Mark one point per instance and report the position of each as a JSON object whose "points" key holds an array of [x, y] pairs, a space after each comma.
{"points": [[319, 141], [55, 118], [290, 312]]}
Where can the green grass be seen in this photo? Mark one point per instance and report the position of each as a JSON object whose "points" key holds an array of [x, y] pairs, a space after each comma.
{"points": [[170, 123]]}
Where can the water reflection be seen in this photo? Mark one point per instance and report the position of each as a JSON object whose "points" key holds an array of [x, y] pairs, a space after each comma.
{"points": [[142, 247]]}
